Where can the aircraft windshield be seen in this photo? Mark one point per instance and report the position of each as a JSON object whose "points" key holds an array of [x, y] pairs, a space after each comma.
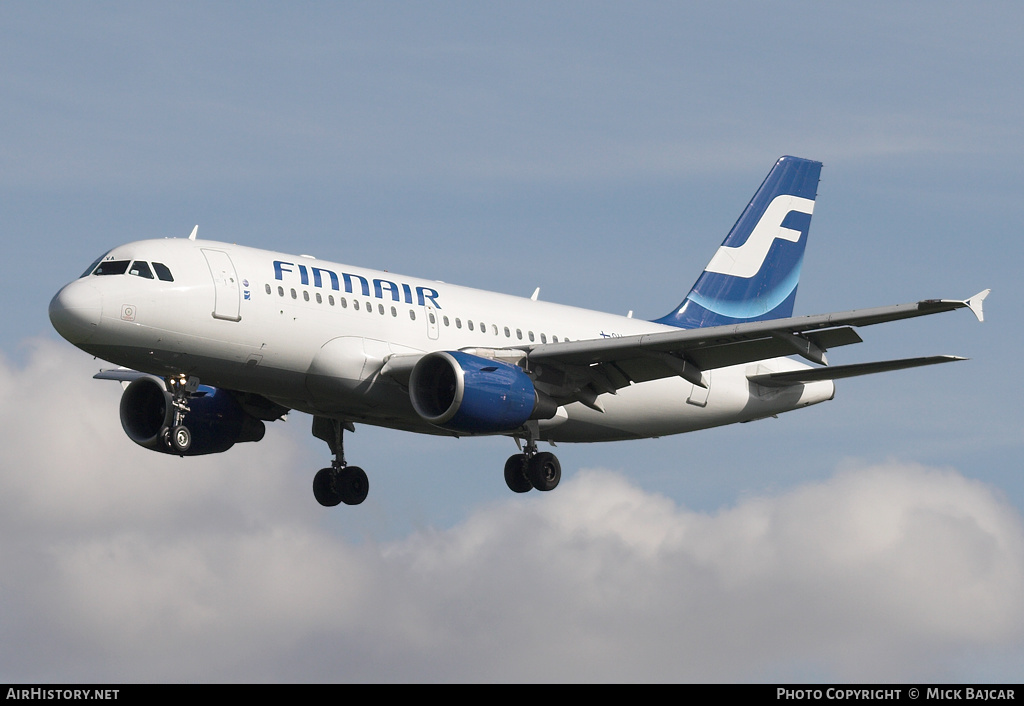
{"points": [[92, 267], [112, 267], [139, 268]]}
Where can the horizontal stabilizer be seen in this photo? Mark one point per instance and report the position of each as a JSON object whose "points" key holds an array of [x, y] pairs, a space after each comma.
{"points": [[798, 377]]}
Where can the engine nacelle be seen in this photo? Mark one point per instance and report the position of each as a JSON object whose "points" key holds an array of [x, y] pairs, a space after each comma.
{"points": [[466, 393], [215, 418]]}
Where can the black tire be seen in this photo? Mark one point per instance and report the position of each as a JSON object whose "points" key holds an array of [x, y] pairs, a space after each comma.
{"points": [[325, 489], [353, 485], [181, 439], [515, 474], [544, 471]]}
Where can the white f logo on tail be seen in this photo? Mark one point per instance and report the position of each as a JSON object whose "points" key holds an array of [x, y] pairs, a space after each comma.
{"points": [[746, 260]]}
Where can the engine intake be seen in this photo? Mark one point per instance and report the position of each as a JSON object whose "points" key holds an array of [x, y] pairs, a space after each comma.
{"points": [[466, 393]]}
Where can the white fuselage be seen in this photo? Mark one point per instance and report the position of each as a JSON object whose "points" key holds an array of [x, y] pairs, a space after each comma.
{"points": [[314, 336]]}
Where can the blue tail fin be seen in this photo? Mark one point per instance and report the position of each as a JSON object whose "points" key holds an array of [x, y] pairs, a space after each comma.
{"points": [[754, 274]]}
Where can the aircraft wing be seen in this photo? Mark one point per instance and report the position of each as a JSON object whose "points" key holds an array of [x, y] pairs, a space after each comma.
{"points": [[607, 364]]}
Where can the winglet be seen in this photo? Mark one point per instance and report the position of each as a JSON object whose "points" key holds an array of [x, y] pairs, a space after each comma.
{"points": [[194, 231], [932, 306], [974, 304]]}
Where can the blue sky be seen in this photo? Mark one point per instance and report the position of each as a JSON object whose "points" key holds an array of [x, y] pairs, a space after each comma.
{"points": [[600, 151]]}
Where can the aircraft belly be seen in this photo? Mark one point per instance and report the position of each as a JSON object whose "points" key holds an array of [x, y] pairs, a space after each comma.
{"points": [[657, 408], [675, 406], [344, 378]]}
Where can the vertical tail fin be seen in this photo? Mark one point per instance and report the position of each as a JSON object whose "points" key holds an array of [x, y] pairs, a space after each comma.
{"points": [[755, 272]]}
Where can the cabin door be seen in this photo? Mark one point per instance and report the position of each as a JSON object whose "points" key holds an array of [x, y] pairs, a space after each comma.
{"points": [[225, 285]]}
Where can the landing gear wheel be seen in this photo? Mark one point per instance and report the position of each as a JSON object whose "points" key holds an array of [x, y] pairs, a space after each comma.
{"points": [[324, 488], [352, 485], [340, 483], [544, 471], [515, 474], [180, 439]]}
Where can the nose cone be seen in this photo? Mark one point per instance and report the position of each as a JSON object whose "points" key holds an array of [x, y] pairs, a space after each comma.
{"points": [[75, 311]]}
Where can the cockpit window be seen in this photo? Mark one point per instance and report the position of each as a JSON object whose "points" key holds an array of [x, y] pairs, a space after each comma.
{"points": [[112, 267], [140, 269], [92, 267], [162, 272]]}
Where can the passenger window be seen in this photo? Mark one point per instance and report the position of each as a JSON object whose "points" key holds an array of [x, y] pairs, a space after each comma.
{"points": [[394, 311], [330, 299], [412, 314], [140, 269], [344, 303], [519, 334], [445, 320], [268, 289], [470, 324], [280, 291], [355, 304], [305, 295], [164, 274], [112, 267], [508, 334], [294, 295], [530, 334], [380, 309], [319, 299]]}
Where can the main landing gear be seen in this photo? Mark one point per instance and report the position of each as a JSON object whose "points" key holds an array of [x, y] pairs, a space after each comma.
{"points": [[340, 483], [532, 469], [176, 435]]}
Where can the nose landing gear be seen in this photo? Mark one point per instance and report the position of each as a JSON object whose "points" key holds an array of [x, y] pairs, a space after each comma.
{"points": [[176, 435], [341, 483]]}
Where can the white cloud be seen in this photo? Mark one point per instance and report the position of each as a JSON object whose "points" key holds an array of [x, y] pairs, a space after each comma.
{"points": [[121, 564]]}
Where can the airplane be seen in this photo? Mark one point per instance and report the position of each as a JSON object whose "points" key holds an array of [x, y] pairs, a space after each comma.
{"points": [[213, 340]]}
